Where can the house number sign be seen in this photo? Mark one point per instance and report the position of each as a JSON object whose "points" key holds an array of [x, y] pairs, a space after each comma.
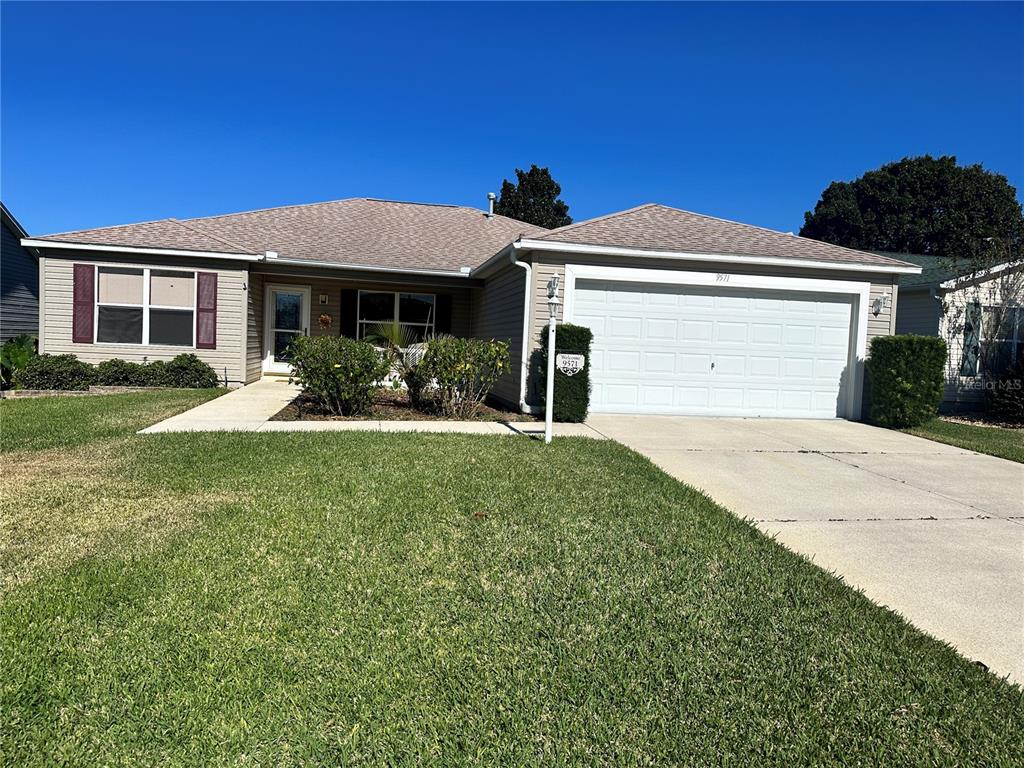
{"points": [[570, 365]]}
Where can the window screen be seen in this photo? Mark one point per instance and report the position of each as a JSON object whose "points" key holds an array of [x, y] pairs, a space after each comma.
{"points": [[171, 326], [119, 325]]}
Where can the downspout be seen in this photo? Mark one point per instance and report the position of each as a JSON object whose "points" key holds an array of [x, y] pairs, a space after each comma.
{"points": [[524, 366]]}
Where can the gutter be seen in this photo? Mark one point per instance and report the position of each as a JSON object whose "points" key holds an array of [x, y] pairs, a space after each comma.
{"points": [[269, 258], [524, 367], [778, 261], [28, 242]]}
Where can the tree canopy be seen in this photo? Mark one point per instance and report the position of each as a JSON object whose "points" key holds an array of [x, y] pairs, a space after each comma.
{"points": [[533, 199], [923, 205]]}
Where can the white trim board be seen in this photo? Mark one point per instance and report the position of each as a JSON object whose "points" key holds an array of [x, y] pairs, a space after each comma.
{"points": [[725, 258], [860, 292], [30, 243]]}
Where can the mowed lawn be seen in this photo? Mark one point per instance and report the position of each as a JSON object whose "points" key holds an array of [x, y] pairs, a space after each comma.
{"points": [[375, 599], [995, 441]]}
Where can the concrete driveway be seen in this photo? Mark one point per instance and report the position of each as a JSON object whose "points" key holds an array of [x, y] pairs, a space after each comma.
{"points": [[934, 532]]}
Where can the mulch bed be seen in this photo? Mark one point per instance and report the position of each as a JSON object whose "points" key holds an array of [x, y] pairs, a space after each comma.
{"points": [[981, 420], [388, 406]]}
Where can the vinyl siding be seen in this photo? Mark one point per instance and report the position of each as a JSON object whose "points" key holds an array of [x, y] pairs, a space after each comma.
{"points": [[19, 287], [58, 282], [498, 314], [462, 301], [546, 265]]}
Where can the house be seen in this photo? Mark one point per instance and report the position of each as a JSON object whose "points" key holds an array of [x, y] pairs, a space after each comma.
{"points": [[19, 281], [691, 314], [980, 314]]}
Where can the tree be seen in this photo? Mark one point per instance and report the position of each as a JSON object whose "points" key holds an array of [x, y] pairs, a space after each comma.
{"points": [[533, 199], [964, 214]]}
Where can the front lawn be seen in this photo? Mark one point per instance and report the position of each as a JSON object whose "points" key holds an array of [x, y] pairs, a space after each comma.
{"points": [[372, 599], [995, 441]]}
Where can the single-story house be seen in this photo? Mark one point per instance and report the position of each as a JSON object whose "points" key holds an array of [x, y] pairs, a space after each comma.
{"points": [[691, 314], [980, 314], [19, 281]]}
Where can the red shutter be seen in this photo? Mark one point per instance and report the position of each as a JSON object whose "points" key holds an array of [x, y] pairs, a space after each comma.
{"points": [[84, 295], [206, 311]]}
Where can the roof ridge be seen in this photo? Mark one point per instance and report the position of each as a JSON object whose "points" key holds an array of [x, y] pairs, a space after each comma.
{"points": [[276, 208], [197, 230], [596, 218]]}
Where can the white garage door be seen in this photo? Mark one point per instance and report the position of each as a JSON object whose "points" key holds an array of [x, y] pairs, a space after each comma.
{"points": [[712, 351]]}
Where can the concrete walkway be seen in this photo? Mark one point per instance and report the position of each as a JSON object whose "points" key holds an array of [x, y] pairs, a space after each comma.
{"points": [[932, 531], [250, 408]]}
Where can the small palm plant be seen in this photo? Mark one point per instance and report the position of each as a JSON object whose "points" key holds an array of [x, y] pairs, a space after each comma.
{"points": [[406, 352], [14, 355]]}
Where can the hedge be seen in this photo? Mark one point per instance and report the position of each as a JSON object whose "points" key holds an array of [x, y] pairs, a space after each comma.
{"points": [[572, 393], [905, 375], [63, 372], [67, 372]]}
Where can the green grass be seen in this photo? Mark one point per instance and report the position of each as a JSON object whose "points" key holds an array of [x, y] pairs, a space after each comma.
{"points": [[995, 441], [40, 423], [371, 599]]}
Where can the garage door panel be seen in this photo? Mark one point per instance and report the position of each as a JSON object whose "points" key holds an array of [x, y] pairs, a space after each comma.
{"points": [[714, 350]]}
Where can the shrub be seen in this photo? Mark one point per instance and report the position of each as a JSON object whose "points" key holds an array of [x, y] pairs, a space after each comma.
{"points": [[14, 356], [120, 373], [906, 379], [341, 373], [65, 372], [1006, 394], [461, 372], [187, 372]]}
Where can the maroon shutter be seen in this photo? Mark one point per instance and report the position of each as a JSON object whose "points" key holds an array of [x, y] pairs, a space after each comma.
{"points": [[206, 311], [84, 295]]}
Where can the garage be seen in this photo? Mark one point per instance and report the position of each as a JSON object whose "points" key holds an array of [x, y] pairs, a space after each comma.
{"points": [[717, 349]]}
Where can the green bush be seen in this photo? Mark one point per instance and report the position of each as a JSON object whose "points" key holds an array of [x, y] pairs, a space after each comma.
{"points": [[461, 373], [64, 372], [120, 373], [341, 373], [906, 379], [572, 393], [1006, 395], [185, 371], [14, 355]]}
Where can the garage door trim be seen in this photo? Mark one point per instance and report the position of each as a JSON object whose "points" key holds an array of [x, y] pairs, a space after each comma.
{"points": [[860, 291]]}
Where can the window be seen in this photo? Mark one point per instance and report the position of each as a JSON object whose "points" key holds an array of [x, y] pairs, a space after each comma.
{"points": [[145, 306], [412, 310], [1002, 338]]}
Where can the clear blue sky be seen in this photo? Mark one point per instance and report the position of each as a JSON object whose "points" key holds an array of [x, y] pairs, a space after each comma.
{"points": [[113, 113]]}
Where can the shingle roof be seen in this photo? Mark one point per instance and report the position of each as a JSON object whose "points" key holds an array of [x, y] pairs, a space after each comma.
{"points": [[661, 228], [361, 231], [934, 269]]}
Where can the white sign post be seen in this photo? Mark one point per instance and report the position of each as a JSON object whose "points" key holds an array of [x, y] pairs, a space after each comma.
{"points": [[549, 401]]}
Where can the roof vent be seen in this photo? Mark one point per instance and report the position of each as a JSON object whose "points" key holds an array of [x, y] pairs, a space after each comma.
{"points": [[491, 197]]}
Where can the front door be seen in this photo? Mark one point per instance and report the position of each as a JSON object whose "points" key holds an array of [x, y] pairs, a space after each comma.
{"points": [[287, 316]]}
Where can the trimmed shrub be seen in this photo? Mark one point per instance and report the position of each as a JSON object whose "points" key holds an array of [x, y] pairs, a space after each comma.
{"points": [[906, 379], [342, 374], [65, 372], [572, 393], [120, 373], [14, 356], [461, 373], [1006, 395], [185, 371]]}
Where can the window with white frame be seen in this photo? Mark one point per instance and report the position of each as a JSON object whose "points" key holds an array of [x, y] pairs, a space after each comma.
{"points": [[1002, 337], [145, 306], [412, 310]]}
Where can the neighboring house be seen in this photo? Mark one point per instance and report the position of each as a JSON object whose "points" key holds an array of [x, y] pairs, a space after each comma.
{"points": [[19, 281], [691, 314], [979, 314]]}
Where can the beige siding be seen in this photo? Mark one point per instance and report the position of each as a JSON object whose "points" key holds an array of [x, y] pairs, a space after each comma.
{"points": [[918, 313], [56, 311], [546, 265], [254, 329], [498, 314]]}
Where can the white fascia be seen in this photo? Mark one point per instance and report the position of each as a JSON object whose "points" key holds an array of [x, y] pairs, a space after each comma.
{"points": [[365, 267], [981, 274], [777, 261], [30, 243]]}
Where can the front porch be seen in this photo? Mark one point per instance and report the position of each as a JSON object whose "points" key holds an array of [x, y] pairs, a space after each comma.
{"points": [[325, 302]]}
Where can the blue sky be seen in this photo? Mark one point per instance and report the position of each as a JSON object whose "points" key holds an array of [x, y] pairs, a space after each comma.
{"points": [[113, 113]]}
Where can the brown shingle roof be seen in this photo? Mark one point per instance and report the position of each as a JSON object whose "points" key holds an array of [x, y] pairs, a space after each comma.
{"points": [[660, 228], [366, 232]]}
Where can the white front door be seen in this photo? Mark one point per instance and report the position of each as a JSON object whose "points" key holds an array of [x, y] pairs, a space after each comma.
{"points": [[697, 350], [286, 315]]}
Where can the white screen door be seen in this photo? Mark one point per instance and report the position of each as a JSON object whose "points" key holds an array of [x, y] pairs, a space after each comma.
{"points": [[287, 316]]}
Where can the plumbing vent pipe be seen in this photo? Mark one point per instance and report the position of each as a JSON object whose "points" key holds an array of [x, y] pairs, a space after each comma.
{"points": [[491, 197]]}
